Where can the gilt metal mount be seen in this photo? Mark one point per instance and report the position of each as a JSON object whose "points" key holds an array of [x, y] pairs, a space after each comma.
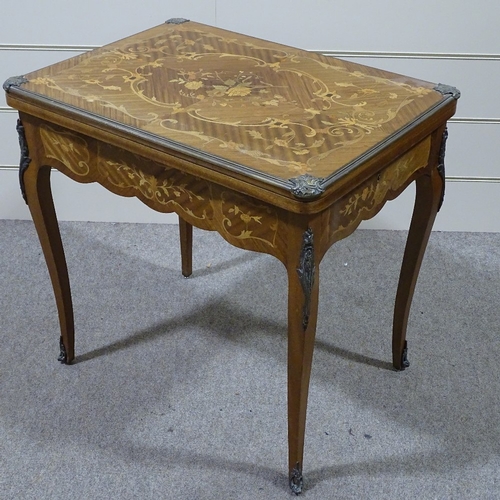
{"points": [[447, 89], [14, 81], [306, 186], [306, 273], [440, 167], [63, 357], [296, 479], [177, 20], [25, 157], [405, 362]]}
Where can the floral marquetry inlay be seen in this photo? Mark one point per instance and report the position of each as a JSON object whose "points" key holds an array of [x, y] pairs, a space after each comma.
{"points": [[271, 108], [369, 198], [70, 149], [244, 219], [164, 188]]}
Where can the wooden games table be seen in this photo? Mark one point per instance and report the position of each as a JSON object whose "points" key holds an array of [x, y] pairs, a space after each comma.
{"points": [[280, 150]]}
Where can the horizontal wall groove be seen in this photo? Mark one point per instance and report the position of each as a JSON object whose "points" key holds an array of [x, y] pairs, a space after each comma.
{"points": [[451, 178], [410, 55], [464, 178], [45, 47], [333, 53], [476, 121], [469, 120]]}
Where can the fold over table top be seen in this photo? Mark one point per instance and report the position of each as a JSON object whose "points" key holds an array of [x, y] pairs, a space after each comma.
{"points": [[276, 115]]}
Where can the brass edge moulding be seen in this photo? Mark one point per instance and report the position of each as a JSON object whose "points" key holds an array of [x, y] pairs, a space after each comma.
{"points": [[374, 151], [305, 187], [129, 132]]}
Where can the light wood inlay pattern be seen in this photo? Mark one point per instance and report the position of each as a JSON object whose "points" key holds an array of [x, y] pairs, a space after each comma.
{"points": [[245, 223], [279, 150], [369, 198], [278, 110]]}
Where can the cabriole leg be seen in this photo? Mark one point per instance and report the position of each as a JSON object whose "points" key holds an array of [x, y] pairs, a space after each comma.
{"points": [[303, 283], [35, 188], [186, 237], [429, 193], [39, 197]]}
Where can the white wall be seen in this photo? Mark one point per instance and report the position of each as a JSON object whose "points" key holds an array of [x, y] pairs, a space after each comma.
{"points": [[435, 41]]}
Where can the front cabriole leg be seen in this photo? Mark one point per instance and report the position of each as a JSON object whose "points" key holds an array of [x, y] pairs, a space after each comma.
{"points": [[428, 201], [303, 283], [35, 186]]}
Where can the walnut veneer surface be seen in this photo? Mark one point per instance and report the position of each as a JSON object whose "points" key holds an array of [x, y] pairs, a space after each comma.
{"points": [[280, 150]]}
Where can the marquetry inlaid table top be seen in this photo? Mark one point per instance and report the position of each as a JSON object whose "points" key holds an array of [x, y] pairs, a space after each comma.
{"points": [[271, 114], [280, 150]]}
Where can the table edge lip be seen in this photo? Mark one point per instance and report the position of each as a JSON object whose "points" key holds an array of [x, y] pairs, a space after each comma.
{"points": [[303, 188]]}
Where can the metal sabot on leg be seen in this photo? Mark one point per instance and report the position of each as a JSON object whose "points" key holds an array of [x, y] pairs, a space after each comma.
{"points": [[405, 363], [63, 357], [296, 480]]}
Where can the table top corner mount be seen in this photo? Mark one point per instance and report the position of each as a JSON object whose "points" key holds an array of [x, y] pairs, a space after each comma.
{"points": [[280, 150]]}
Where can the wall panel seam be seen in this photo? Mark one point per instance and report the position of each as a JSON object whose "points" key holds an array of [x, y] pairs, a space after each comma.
{"points": [[35, 47], [469, 120], [335, 53], [410, 55], [449, 178], [466, 178]]}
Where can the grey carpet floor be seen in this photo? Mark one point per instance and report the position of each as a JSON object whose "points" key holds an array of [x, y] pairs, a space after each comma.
{"points": [[179, 387]]}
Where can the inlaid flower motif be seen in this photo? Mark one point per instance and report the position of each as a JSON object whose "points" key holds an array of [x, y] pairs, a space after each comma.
{"points": [[194, 85], [248, 218], [280, 130], [122, 55], [42, 80], [240, 90]]}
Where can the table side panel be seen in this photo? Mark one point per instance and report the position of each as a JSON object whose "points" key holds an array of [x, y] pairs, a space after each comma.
{"points": [[342, 218], [242, 220]]}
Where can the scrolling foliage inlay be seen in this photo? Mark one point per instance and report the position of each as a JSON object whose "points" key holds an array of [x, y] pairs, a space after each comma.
{"points": [[278, 110], [369, 198], [70, 149], [243, 221]]}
